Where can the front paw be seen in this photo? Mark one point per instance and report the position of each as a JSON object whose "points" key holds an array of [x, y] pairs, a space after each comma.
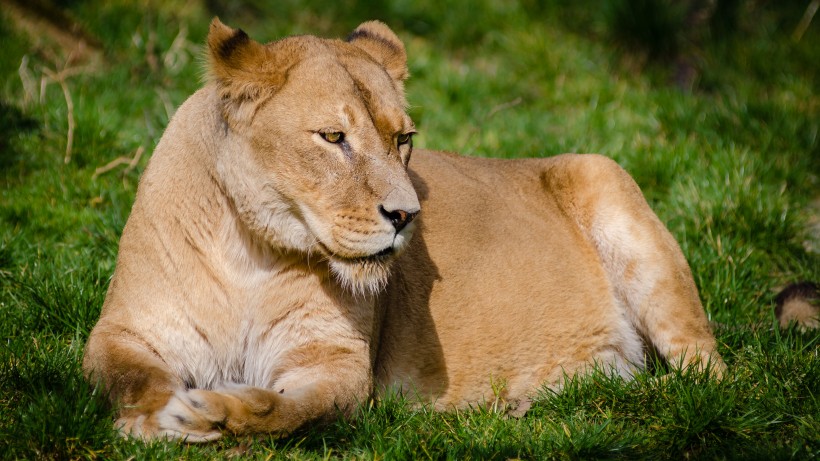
{"points": [[192, 416], [137, 426], [150, 427]]}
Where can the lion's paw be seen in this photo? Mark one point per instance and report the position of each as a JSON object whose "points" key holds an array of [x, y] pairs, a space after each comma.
{"points": [[147, 428], [136, 426], [192, 416]]}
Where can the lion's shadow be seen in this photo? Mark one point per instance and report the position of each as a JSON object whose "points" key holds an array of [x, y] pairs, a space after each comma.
{"points": [[410, 355]]}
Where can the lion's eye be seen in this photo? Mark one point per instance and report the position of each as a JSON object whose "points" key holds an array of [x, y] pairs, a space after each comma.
{"points": [[334, 137], [404, 138]]}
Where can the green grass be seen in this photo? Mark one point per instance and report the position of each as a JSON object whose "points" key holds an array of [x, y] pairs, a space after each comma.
{"points": [[732, 168]]}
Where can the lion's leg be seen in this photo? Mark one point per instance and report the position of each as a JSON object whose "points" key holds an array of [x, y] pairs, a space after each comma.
{"points": [[136, 379], [317, 386], [643, 262]]}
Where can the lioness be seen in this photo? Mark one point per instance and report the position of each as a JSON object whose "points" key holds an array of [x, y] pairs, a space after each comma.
{"points": [[267, 278]]}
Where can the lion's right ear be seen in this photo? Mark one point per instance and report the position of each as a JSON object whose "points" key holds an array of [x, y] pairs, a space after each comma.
{"points": [[243, 69]]}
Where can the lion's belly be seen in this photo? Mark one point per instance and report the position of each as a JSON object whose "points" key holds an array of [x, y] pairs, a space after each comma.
{"points": [[512, 299]]}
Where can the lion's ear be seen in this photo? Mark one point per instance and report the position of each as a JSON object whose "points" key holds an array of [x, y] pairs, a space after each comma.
{"points": [[383, 45], [243, 69], [233, 57]]}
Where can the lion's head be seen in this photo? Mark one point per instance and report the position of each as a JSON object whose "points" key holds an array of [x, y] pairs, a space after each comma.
{"points": [[317, 143]]}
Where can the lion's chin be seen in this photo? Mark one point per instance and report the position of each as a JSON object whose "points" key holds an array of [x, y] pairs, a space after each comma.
{"points": [[362, 277]]}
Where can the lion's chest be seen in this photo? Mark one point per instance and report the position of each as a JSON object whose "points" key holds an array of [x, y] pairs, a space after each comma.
{"points": [[250, 331]]}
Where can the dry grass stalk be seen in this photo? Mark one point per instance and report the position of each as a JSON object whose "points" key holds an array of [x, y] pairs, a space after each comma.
{"points": [[60, 78], [130, 161], [52, 76], [28, 80], [805, 21]]}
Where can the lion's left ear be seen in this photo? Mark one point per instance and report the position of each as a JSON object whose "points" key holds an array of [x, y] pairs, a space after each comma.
{"points": [[383, 45]]}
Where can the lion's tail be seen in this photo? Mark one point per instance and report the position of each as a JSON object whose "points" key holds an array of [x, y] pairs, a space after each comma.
{"points": [[799, 303]]}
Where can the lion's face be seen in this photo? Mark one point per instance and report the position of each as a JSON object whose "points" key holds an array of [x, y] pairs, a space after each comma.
{"points": [[317, 147]]}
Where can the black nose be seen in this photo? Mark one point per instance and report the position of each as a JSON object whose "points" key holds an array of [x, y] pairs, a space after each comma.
{"points": [[399, 218]]}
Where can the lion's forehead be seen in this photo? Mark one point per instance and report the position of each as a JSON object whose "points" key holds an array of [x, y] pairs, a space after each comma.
{"points": [[357, 88]]}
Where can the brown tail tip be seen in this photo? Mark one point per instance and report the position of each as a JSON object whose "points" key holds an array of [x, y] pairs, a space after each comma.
{"points": [[799, 303]]}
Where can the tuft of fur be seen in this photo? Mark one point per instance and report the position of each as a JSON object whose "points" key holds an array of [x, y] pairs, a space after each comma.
{"points": [[799, 304], [365, 278]]}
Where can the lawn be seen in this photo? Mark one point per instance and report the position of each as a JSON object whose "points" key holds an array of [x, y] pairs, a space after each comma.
{"points": [[728, 157]]}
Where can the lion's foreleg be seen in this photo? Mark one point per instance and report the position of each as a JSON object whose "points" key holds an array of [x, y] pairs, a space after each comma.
{"points": [[317, 392], [137, 381]]}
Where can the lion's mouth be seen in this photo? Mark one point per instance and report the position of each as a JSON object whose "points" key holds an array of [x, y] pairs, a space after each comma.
{"points": [[387, 252], [380, 256]]}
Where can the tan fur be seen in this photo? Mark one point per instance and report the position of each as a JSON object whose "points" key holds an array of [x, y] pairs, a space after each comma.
{"points": [[801, 312], [799, 304], [266, 278]]}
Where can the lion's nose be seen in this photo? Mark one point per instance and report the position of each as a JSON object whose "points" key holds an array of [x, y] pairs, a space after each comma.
{"points": [[399, 218]]}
